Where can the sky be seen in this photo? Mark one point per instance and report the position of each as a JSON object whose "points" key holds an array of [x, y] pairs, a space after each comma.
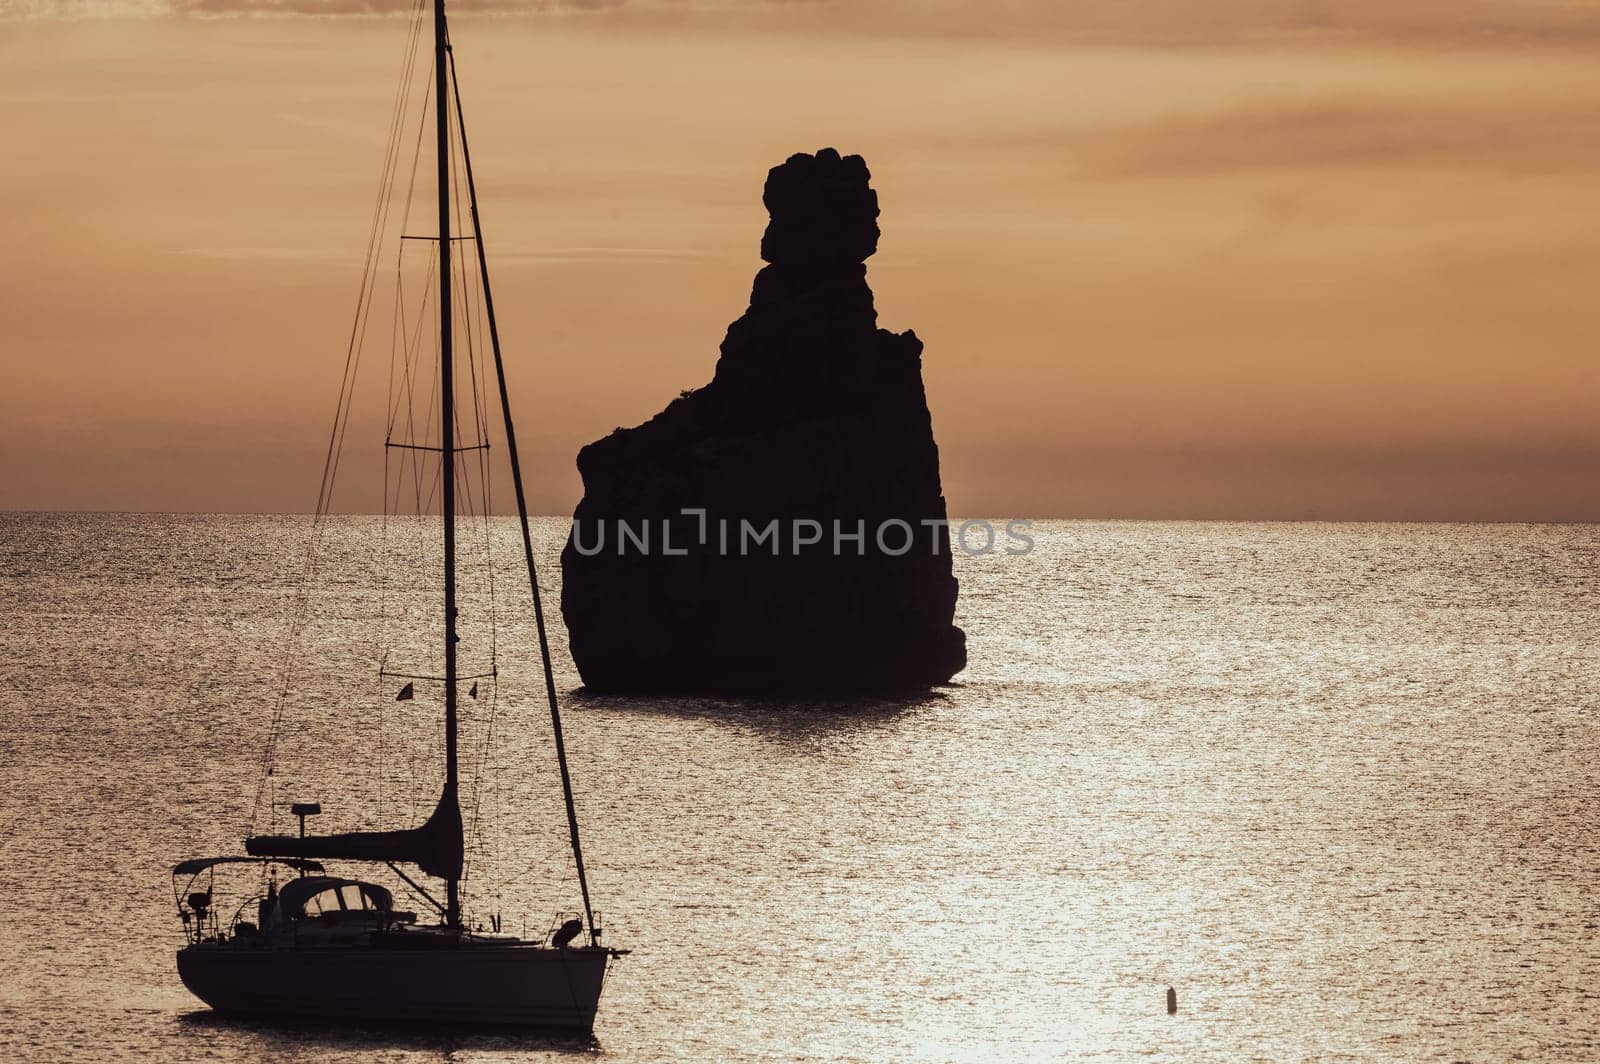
{"points": [[1242, 259]]}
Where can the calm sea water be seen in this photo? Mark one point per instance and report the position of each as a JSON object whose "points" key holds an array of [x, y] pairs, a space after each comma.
{"points": [[1336, 784]]}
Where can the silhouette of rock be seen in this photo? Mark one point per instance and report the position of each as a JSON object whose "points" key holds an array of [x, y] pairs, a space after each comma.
{"points": [[813, 430]]}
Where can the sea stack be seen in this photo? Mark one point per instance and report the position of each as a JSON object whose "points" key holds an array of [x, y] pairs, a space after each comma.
{"points": [[781, 529]]}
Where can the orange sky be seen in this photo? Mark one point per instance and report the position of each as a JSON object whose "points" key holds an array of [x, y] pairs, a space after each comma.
{"points": [[1256, 258]]}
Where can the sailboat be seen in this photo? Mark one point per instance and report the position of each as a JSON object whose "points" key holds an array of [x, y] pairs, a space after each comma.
{"points": [[335, 946]]}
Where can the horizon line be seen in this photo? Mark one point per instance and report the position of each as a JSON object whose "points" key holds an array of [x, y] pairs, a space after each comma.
{"points": [[8, 510]]}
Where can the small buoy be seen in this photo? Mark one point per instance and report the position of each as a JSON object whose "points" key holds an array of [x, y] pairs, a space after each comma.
{"points": [[1172, 1001]]}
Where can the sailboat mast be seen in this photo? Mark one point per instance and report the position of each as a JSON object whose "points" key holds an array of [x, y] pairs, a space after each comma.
{"points": [[447, 427]]}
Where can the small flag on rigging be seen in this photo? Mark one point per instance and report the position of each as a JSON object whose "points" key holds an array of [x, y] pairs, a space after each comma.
{"points": [[406, 693], [474, 692]]}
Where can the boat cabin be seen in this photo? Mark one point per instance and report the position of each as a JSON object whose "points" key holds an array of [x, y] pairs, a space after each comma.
{"points": [[331, 899], [331, 907]]}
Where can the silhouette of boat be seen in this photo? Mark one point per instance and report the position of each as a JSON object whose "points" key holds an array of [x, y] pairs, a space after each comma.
{"points": [[330, 946]]}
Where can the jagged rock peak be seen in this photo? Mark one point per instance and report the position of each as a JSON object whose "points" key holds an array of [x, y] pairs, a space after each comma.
{"points": [[814, 417], [823, 211]]}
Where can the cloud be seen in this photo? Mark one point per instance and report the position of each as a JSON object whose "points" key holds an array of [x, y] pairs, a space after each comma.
{"points": [[1468, 137], [286, 254], [1214, 21], [1112, 21], [379, 7], [78, 10]]}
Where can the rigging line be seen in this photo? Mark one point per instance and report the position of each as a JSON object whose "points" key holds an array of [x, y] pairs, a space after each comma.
{"points": [[430, 414], [364, 312], [398, 326], [383, 602], [481, 774], [466, 307], [416, 155], [483, 759], [364, 298], [472, 284], [483, 400], [399, 332], [434, 401], [414, 885], [397, 339], [488, 556], [475, 355], [330, 465], [353, 359], [413, 339], [469, 307], [465, 482], [486, 473], [397, 349], [387, 188], [522, 515], [486, 477], [418, 477], [432, 679], [298, 617], [414, 349], [429, 418], [397, 336], [402, 333], [479, 446], [458, 293]]}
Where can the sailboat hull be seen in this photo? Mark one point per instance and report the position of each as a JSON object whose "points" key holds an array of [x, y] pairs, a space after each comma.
{"points": [[523, 985]]}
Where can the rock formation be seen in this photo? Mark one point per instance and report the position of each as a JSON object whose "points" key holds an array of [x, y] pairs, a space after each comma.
{"points": [[781, 528]]}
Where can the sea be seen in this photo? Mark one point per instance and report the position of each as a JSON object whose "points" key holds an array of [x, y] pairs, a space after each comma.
{"points": [[1333, 784]]}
